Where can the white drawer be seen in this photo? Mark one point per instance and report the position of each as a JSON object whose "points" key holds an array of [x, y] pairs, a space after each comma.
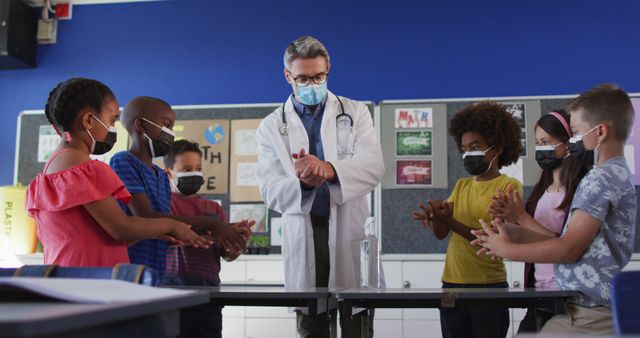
{"points": [[423, 274], [233, 271], [265, 271], [232, 327]]}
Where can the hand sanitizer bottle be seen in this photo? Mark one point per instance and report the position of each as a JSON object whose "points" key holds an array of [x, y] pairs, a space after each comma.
{"points": [[370, 256]]}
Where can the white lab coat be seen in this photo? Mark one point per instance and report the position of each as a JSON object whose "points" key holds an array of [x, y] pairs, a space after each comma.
{"points": [[358, 175]]}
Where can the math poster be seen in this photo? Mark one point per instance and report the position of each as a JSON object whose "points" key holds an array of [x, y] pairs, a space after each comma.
{"points": [[213, 138], [413, 143], [413, 118], [413, 172], [244, 161], [255, 212]]}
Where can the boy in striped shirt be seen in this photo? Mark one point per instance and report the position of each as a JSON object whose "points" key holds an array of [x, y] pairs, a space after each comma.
{"points": [[149, 122]]}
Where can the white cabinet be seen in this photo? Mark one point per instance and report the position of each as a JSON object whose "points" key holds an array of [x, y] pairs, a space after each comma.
{"points": [[422, 274], [393, 278]]}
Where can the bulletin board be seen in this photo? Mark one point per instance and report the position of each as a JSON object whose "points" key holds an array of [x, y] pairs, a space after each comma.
{"points": [[400, 234]]}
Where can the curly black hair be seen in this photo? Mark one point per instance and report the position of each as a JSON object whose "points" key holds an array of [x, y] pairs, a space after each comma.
{"points": [[69, 97], [178, 148], [491, 120]]}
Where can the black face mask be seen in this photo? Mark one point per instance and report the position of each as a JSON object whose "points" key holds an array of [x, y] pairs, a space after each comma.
{"points": [[103, 147], [190, 182], [474, 162], [547, 159], [578, 151], [161, 145]]}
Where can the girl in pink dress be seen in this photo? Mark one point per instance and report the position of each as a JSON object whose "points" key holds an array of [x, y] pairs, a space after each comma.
{"points": [[74, 199]]}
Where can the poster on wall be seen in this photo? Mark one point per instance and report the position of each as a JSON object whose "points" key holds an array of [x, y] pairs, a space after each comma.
{"points": [[413, 118], [254, 212], [213, 138], [632, 148], [413, 143], [244, 161], [413, 172], [523, 142], [48, 140], [518, 111]]}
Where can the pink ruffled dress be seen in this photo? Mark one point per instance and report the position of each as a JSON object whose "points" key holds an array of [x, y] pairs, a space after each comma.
{"points": [[68, 233]]}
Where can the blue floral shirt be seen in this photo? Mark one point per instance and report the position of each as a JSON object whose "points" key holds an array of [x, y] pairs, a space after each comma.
{"points": [[607, 194]]}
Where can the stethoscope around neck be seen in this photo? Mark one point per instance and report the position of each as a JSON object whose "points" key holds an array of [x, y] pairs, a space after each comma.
{"points": [[284, 127]]}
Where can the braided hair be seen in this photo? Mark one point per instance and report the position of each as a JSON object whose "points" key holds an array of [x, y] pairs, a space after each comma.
{"points": [[70, 97]]}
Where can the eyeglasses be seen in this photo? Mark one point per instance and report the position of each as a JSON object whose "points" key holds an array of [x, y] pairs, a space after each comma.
{"points": [[303, 80]]}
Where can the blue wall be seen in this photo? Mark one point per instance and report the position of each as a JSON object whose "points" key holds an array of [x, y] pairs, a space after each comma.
{"points": [[206, 51]]}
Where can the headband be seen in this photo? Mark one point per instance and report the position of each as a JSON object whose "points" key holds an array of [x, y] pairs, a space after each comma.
{"points": [[563, 121]]}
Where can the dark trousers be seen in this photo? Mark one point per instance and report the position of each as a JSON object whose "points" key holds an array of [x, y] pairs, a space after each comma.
{"points": [[317, 326], [202, 321], [474, 321]]}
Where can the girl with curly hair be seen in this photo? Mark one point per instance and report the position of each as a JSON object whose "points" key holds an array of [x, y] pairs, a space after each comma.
{"points": [[488, 138]]}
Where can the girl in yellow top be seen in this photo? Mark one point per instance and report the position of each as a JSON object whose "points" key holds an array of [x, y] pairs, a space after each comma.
{"points": [[489, 138]]}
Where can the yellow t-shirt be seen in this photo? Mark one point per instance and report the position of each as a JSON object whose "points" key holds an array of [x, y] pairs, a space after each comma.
{"points": [[471, 200]]}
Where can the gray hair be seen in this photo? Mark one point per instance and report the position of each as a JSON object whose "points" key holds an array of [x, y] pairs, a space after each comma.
{"points": [[305, 47]]}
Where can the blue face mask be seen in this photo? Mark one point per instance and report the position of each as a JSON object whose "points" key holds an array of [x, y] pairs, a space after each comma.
{"points": [[312, 94]]}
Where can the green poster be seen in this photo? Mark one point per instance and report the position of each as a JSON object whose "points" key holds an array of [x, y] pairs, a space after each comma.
{"points": [[413, 143]]}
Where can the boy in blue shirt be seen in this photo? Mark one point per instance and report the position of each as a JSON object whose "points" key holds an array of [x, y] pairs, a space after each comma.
{"points": [[597, 240], [149, 122]]}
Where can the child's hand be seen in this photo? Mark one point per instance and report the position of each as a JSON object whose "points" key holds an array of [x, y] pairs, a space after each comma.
{"points": [[172, 241], [424, 217], [230, 253], [235, 235], [442, 211], [481, 237], [244, 227], [183, 234], [494, 239], [507, 205]]}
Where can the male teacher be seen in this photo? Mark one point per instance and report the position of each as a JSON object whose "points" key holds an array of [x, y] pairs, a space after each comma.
{"points": [[318, 159]]}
